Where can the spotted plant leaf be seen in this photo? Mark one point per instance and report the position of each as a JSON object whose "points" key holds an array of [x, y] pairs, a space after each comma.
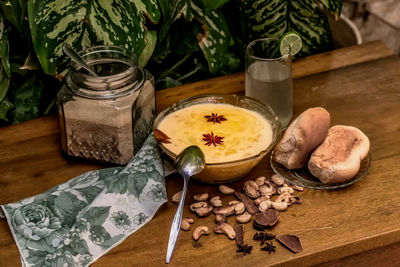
{"points": [[334, 6], [171, 11], [87, 23], [274, 18], [209, 5], [215, 40]]}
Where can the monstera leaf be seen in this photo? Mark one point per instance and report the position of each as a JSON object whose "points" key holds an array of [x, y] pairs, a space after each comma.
{"points": [[274, 18], [88, 23]]}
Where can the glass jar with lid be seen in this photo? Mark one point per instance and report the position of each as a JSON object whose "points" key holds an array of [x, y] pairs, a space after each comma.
{"points": [[106, 118]]}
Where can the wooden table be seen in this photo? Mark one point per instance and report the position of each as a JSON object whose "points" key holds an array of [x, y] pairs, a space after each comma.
{"points": [[359, 85]]}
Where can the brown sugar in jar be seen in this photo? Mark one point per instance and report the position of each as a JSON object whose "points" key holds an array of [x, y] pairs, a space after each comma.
{"points": [[106, 118]]}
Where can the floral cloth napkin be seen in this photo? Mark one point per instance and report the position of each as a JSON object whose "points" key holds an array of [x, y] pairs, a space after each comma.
{"points": [[77, 222]]}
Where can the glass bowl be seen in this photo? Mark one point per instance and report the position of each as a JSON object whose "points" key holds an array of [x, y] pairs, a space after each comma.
{"points": [[302, 177], [227, 171]]}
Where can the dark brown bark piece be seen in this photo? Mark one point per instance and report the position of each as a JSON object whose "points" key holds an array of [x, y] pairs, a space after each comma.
{"points": [[292, 242], [239, 230], [161, 137], [266, 219], [248, 203]]}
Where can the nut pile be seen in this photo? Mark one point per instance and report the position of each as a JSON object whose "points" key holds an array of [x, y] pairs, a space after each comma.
{"points": [[261, 198]]}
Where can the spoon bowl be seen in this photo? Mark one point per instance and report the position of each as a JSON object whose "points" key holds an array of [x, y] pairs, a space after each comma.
{"points": [[190, 161]]}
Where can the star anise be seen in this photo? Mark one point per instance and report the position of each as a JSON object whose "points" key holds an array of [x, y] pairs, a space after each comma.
{"points": [[215, 118], [212, 139], [245, 249], [263, 237], [269, 247]]}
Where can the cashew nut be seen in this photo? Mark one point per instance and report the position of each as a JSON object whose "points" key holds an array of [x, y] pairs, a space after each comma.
{"points": [[198, 205], [199, 231], [234, 202], [261, 199], [279, 181], [260, 180], [239, 208], [285, 189], [186, 222], [202, 208], [204, 211], [225, 228], [250, 188], [265, 190], [227, 211], [297, 188], [244, 218], [272, 186], [220, 218], [264, 205], [176, 197], [226, 190], [201, 197], [216, 201], [284, 197], [281, 206]]}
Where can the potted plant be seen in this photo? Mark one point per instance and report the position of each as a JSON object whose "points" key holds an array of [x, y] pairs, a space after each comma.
{"points": [[180, 41]]}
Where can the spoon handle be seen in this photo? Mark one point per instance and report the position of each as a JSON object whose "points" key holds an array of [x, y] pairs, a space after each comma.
{"points": [[69, 51], [176, 223]]}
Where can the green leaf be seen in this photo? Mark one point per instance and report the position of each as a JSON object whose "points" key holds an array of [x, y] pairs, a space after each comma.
{"points": [[87, 23], [335, 6], [136, 183], [38, 245], [151, 41], [117, 184], [276, 17], [79, 247], [15, 12], [99, 235], [68, 206], [171, 10], [215, 41], [36, 257], [5, 73], [27, 100], [169, 82], [97, 215], [90, 192], [108, 243], [5, 106], [209, 5], [4, 46]]}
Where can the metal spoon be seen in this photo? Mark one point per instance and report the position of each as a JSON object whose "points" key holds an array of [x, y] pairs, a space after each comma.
{"points": [[74, 56], [188, 163]]}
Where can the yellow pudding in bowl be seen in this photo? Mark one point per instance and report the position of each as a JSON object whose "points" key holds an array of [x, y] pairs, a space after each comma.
{"points": [[234, 133], [242, 133]]}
